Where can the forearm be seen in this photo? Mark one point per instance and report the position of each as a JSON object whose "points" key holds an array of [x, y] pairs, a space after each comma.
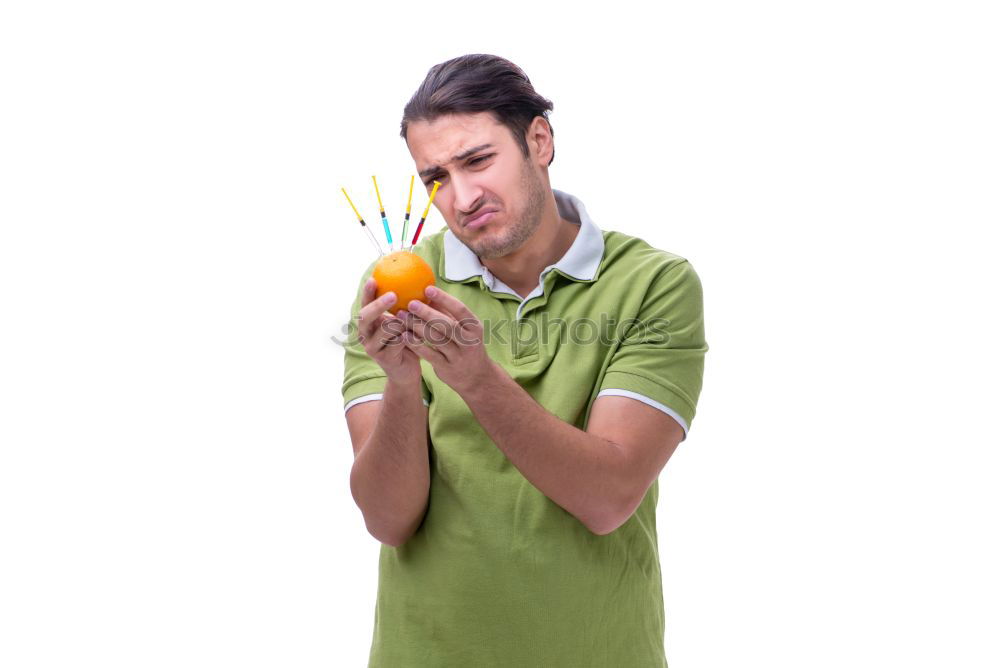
{"points": [[584, 474], [390, 479]]}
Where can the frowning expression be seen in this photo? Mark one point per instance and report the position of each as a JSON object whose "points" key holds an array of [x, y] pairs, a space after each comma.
{"points": [[490, 196]]}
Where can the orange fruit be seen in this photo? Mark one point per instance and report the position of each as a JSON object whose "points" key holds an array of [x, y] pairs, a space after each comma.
{"points": [[406, 274]]}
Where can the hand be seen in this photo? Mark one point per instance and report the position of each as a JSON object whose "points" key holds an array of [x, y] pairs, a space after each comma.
{"points": [[449, 336], [381, 335]]}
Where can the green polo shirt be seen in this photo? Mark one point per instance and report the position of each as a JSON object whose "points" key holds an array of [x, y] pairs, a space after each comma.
{"points": [[497, 574]]}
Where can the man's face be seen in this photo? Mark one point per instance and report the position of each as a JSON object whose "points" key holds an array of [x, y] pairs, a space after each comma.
{"points": [[481, 169]]}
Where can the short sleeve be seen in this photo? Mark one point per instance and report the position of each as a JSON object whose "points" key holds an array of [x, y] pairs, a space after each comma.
{"points": [[660, 358], [364, 379]]}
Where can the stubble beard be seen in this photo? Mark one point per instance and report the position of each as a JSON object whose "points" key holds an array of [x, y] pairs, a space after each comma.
{"points": [[521, 226]]}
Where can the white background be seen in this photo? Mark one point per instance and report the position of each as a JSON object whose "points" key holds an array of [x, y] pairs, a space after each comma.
{"points": [[175, 254]]}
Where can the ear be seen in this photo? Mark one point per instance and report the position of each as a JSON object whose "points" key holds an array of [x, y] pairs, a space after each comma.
{"points": [[540, 142]]}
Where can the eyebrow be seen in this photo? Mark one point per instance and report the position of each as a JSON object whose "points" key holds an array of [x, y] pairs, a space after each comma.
{"points": [[424, 173]]}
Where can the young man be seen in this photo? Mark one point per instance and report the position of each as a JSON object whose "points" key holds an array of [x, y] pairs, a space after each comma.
{"points": [[508, 435]]}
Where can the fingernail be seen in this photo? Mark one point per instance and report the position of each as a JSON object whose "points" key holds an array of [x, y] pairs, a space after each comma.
{"points": [[388, 297], [431, 291]]}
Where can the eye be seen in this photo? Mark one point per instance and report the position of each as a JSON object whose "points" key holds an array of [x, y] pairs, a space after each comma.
{"points": [[482, 158]]}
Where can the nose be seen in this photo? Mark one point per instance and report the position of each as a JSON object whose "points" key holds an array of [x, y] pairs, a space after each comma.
{"points": [[468, 194]]}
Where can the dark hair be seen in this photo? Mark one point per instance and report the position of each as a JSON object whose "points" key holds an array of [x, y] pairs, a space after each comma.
{"points": [[479, 82]]}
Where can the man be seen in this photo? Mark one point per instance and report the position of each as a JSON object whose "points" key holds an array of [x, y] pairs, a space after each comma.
{"points": [[510, 467]]}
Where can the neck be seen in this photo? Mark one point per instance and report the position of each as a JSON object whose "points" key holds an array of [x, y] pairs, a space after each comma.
{"points": [[545, 247]]}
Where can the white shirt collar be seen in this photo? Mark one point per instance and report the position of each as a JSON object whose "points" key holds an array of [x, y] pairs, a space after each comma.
{"points": [[580, 261]]}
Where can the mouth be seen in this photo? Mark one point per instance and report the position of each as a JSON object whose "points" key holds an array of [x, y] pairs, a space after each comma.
{"points": [[482, 217]]}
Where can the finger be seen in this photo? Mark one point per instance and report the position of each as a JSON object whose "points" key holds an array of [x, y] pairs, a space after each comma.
{"points": [[450, 304], [367, 296], [371, 332], [422, 349], [391, 342], [428, 313], [389, 331], [380, 332], [368, 317], [439, 332], [368, 291]]}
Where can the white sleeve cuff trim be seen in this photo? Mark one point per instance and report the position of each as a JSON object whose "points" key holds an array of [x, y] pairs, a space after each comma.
{"points": [[649, 402], [373, 397]]}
